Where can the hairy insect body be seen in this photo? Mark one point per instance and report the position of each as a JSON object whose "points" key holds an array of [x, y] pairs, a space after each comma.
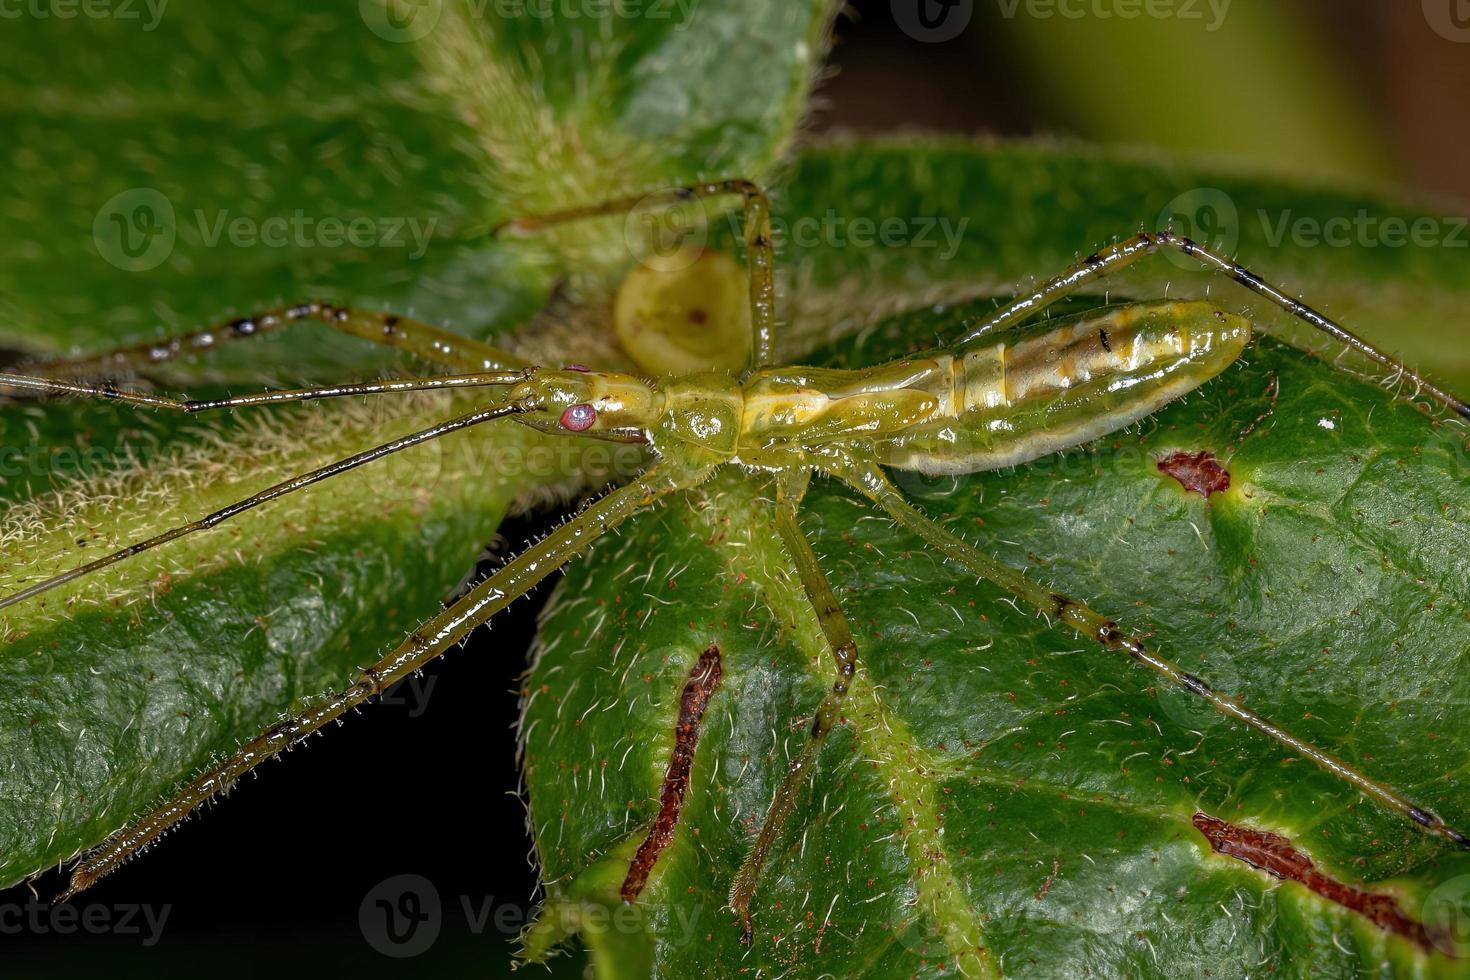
{"points": [[963, 411]]}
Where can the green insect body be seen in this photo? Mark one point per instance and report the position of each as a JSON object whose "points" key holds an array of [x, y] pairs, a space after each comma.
{"points": [[983, 407]]}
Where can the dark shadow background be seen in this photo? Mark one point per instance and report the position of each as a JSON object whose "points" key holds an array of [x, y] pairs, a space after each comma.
{"points": [[273, 882]]}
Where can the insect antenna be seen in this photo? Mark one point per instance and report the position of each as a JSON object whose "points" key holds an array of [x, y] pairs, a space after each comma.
{"points": [[271, 493], [143, 399]]}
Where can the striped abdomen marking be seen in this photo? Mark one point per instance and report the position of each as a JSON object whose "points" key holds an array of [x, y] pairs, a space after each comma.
{"points": [[1071, 384]]}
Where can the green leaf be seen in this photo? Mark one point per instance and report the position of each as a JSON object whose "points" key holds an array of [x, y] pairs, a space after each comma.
{"points": [[213, 159], [1003, 794], [153, 180]]}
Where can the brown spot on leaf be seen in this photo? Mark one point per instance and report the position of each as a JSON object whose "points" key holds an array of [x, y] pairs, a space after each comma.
{"points": [[1199, 472], [703, 680], [1276, 855]]}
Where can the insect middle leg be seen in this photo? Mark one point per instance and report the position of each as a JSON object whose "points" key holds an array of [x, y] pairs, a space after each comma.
{"points": [[1120, 256], [430, 343], [428, 642], [791, 487], [760, 255], [869, 480]]}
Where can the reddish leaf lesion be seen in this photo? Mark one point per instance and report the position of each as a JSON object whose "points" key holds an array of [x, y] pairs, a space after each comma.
{"points": [[704, 680], [1276, 855], [1199, 472]]}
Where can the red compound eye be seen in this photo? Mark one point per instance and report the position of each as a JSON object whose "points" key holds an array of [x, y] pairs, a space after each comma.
{"points": [[578, 418]]}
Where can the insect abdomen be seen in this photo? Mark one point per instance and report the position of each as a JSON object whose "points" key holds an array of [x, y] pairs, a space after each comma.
{"points": [[1050, 391]]}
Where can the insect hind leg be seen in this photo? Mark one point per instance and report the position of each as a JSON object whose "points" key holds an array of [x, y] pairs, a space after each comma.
{"points": [[1117, 257], [838, 634], [869, 480]]}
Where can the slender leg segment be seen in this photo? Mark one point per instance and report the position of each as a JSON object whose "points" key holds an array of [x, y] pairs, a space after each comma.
{"points": [[1117, 257], [760, 256], [433, 344], [834, 626], [870, 481], [143, 399], [269, 494], [426, 643]]}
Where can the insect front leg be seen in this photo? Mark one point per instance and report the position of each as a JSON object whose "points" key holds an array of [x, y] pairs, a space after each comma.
{"points": [[791, 487], [869, 480], [428, 642], [761, 258], [430, 343], [1115, 258]]}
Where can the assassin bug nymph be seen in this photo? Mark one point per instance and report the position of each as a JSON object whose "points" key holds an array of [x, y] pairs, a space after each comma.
{"points": [[1001, 395]]}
